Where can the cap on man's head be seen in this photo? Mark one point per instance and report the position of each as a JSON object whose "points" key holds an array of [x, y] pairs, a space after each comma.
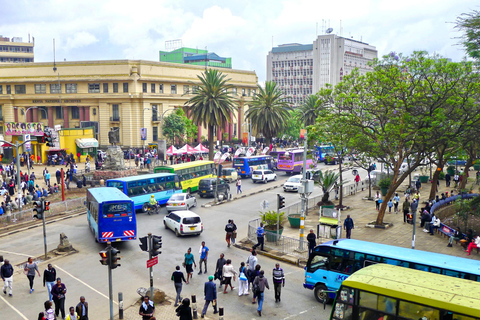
{"points": [[210, 278]]}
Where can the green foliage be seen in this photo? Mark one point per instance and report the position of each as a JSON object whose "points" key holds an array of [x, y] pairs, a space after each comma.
{"points": [[385, 183], [308, 112], [463, 211], [326, 180], [173, 127], [469, 24], [269, 218], [441, 176], [292, 126], [190, 128]]}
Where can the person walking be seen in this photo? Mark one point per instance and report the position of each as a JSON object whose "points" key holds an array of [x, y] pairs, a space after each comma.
{"points": [[49, 313], [203, 257], [210, 291], [251, 263], [177, 277], [49, 276], [229, 230], [348, 226], [58, 175], [184, 312], [147, 308], [242, 280], [58, 292], [406, 210], [260, 283], [29, 270], [311, 238], [219, 269], [239, 185], [414, 207], [6, 272], [228, 273], [82, 309], [260, 237], [254, 275], [448, 178], [278, 281], [188, 262], [234, 232], [396, 201], [72, 315], [377, 200]]}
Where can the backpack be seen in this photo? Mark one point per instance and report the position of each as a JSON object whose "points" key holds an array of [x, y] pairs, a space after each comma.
{"points": [[256, 289]]}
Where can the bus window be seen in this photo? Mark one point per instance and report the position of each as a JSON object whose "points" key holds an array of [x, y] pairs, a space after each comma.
{"points": [[436, 270], [412, 310], [340, 253], [337, 264], [170, 185], [318, 262], [161, 180], [178, 186], [420, 267], [396, 262], [457, 274]]}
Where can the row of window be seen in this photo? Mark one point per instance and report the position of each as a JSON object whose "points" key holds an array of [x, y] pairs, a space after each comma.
{"points": [[16, 49], [293, 63], [16, 60], [285, 73], [295, 91], [293, 82]]}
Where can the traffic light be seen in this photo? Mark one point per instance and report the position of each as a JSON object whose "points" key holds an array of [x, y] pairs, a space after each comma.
{"points": [[38, 209], [113, 258], [104, 255], [143, 243], [156, 244], [48, 139], [280, 202], [46, 205]]}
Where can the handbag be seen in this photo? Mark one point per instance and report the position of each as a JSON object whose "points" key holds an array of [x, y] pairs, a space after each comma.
{"points": [[25, 271], [234, 234], [242, 275]]}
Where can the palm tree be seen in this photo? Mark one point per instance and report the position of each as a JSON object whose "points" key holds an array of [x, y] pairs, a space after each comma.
{"points": [[269, 111], [308, 112], [326, 181], [212, 104]]}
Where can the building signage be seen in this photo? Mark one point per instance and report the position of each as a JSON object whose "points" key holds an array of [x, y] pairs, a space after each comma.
{"points": [[56, 101], [21, 128]]}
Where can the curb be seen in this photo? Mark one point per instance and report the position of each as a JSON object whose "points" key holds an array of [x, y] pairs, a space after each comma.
{"points": [[213, 203], [289, 260]]}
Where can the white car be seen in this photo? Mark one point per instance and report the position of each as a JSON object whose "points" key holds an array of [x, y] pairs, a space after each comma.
{"points": [[181, 201], [183, 222], [293, 183], [264, 175]]}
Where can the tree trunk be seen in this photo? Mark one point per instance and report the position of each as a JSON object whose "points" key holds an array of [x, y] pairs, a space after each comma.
{"points": [[465, 172], [340, 201], [383, 207], [210, 142], [433, 190]]}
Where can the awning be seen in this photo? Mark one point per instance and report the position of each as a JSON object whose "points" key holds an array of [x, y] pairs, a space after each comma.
{"points": [[87, 143]]}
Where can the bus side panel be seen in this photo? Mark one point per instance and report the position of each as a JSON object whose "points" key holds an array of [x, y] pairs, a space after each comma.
{"points": [[332, 280], [93, 225]]}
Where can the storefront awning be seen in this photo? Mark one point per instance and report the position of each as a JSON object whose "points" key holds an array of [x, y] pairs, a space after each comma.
{"points": [[87, 143]]}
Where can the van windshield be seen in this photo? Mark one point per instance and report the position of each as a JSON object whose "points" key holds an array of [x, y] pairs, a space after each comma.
{"points": [[204, 183]]}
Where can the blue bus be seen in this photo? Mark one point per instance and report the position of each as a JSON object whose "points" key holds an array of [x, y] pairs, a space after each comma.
{"points": [[140, 188], [332, 262], [323, 151], [246, 165], [110, 215]]}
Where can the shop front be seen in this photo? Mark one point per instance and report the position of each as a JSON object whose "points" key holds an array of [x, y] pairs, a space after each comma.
{"points": [[87, 146]]}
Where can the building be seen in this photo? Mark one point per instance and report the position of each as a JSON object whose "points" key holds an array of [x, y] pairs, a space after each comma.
{"points": [[303, 69], [122, 94], [196, 57], [15, 51]]}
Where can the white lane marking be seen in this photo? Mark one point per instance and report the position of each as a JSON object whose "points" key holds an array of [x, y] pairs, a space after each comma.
{"points": [[300, 313], [18, 254], [287, 273], [85, 284], [14, 309]]}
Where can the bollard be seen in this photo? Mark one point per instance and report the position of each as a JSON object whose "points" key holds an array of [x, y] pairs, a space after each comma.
{"points": [[220, 313], [120, 305], [194, 306]]}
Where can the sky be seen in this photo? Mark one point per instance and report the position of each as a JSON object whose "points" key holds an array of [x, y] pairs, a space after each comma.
{"points": [[244, 30]]}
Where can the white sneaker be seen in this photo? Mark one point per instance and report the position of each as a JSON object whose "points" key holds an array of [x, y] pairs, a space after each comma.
{"points": [[425, 230]]}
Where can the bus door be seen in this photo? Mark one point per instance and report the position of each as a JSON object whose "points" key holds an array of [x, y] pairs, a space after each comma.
{"points": [[117, 222]]}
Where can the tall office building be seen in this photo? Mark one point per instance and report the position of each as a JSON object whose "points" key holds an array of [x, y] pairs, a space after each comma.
{"points": [[15, 51], [302, 69], [196, 57]]}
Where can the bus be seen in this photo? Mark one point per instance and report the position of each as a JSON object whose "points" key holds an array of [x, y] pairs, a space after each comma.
{"points": [[323, 151], [246, 165], [110, 215], [389, 292], [190, 173], [140, 188], [291, 161], [332, 262]]}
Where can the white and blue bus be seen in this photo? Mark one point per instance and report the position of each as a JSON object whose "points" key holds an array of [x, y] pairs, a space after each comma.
{"points": [[110, 215], [332, 262], [140, 188], [245, 165]]}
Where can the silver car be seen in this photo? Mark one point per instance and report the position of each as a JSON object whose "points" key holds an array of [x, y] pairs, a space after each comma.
{"points": [[181, 201]]}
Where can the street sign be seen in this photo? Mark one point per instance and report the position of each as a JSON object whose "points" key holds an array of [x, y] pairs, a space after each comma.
{"points": [[264, 205], [152, 262]]}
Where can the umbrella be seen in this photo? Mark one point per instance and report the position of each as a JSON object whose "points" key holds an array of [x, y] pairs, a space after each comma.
{"points": [[172, 151], [187, 149], [200, 148]]}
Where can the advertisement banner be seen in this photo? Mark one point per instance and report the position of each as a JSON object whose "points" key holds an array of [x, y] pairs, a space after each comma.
{"points": [[21, 128], [302, 133], [143, 133], [28, 145], [245, 137]]}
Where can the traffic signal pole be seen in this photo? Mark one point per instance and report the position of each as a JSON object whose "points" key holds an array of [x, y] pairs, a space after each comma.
{"points": [[110, 282], [44, 234], [150, 245]]}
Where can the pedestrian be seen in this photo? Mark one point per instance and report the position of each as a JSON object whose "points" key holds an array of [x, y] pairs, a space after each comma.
{"points": [[147, 308], [251, 264], [210, 291], [234, 232], [49, 313], [49, 276], [82, 309], [448, 178], [414, 206], [396, 201], [203, 256], [242, 280], [6, 272], [41, 316], [254, 275], [228, 273], [406, 210], [58, 292], [348, 225], [357, 179], [29, 270], [72, 315], [260, 283], [456, 178], [219, 269], [418, 185], [390, 205], [377, 201], [239, 185], [177, 278], [311, 238], [47, 178], [278, 281], [229, 231], [188, 262], [58, 175], [184, 312], [260, 237]]}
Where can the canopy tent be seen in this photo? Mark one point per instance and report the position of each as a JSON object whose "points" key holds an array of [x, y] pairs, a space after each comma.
{"points": [[86, 143], [172, 151], [200, 148], [187, 149]]}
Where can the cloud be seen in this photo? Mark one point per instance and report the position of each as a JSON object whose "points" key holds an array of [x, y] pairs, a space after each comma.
{"points": [[79, 40]]}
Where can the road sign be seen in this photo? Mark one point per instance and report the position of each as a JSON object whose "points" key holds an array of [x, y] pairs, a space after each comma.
{"points": [[152, 262], [264, 205]]}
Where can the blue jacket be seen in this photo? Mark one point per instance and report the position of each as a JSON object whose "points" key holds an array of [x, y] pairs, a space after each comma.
{"points": [[260, 232], [348, 224], [210, 291]]}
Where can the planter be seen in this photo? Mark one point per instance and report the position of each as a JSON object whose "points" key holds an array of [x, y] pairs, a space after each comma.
{"points": [[423, 179], [294, 220], [451, 171], [476, 167], [271, 235], [384, 191]]}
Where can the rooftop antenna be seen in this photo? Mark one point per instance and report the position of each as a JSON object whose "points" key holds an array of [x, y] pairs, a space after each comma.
{"points": [[54, 65], [329, 30]]}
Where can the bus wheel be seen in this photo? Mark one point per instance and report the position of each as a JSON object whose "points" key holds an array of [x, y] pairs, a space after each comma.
{"points": [[189, 191], [320, 295], [145, 207]]}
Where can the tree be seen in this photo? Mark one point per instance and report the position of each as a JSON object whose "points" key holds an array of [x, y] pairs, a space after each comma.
{"points": [[469, 24], [173, 127], [308, 111], [292, 126], [327, 182], [212, 105], [190, 128], [269, 111]]}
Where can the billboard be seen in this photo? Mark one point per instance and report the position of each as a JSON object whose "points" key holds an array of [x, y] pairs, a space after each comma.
{"points": [[21, 128]]}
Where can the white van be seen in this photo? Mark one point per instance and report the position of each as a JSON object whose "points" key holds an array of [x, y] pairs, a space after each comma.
{"points": [[183, 222]]}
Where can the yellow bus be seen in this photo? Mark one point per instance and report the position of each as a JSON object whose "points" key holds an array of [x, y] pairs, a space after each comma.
{"points": [[190, 173], [386, 292]]}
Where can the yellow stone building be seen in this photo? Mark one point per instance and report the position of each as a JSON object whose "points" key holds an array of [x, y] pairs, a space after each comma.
{"points": [[124, 94]]}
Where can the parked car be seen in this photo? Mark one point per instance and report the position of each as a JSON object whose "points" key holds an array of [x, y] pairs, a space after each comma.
{"points": [[263, 175], [229, 174], [331, 159], [207, 186], [183, 222], [293, 183], [181, 201]]}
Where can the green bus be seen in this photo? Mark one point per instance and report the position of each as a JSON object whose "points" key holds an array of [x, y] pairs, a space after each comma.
{"points": [[190, 173]]}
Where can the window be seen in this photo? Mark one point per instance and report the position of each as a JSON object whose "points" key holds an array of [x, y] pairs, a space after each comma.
{"points": [[152, 88], [95, 112], [249, 92], [115, 112], [186, 89], [154, 113], [58, 113], [234, 91], [125, 87], [144, 87], [40, 88], [254, 92], [71, 88], [43, 113], [20, 89], [1, 89], [155, 133], [76, 111], [173, 89], [243, 91], [1, 114], [160, 88], [194, 89], [105, 88], [55, 88], [94, 88], [115, 88]]}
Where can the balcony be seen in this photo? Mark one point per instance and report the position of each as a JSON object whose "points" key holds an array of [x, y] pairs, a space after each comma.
{"points": [[155, 118], [115, 119]]}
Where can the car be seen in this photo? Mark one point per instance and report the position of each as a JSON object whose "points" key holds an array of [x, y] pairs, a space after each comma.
{"points": [[293, 183], [207, 186], [331, 159], [263, 175], [183, 222], [229, 174], [181, 201]]}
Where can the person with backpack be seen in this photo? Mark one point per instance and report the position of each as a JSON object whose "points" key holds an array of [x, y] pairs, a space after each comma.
{"points": [[229, 230], [251, 264], [259, 285]]}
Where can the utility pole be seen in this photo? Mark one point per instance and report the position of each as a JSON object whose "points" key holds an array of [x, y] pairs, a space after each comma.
{"points": [[302, 195]]}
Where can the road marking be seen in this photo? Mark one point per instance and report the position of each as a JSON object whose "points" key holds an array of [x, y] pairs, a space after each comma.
{"points": [[14, 309], [287, 273], [18, 254], [299, 314], [85, 284]]}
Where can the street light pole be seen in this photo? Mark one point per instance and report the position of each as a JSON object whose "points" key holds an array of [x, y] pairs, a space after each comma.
{"points": [[303, 195], [144, 129]]}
